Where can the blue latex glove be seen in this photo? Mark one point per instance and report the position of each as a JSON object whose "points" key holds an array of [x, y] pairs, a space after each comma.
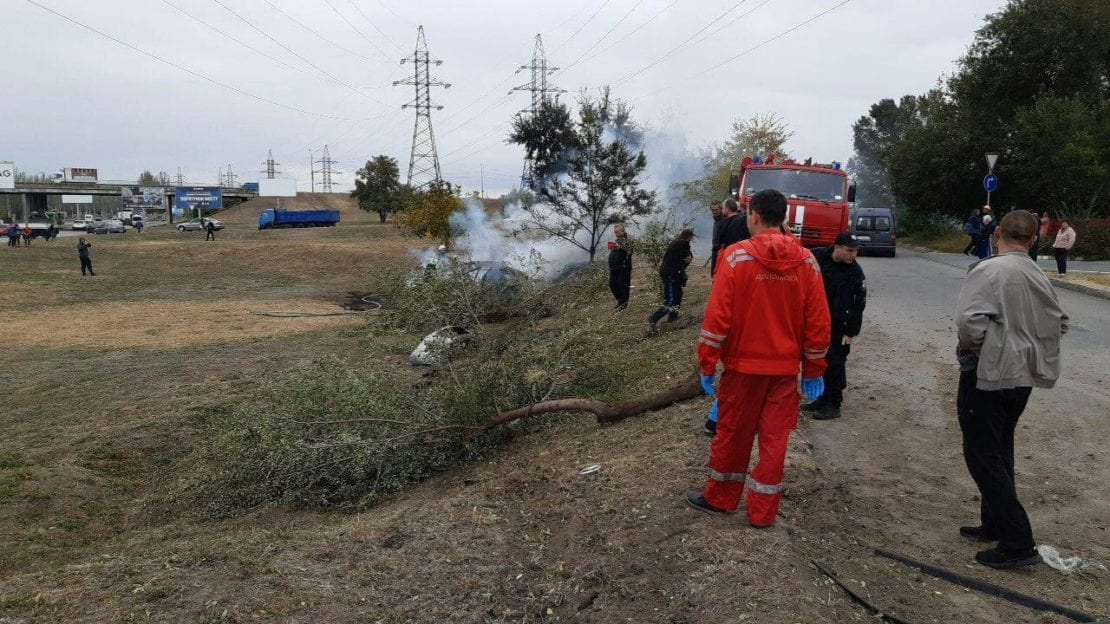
{"points": [[707, 385], [713, 412], [813, 388]]}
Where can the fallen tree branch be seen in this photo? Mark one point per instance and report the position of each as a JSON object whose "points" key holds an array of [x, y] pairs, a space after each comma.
{"points": [[607, 412]]}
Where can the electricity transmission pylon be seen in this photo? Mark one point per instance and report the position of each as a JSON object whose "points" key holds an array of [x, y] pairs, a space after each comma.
{"points": [[423, 160], [542, 92], [271, 167], [325, 170]]}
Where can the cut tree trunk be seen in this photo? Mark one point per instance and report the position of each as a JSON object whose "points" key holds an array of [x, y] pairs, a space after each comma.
{"points": [[607, 412]]}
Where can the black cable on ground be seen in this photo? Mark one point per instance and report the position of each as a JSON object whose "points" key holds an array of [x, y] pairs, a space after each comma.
{"points": [[872, 609], [1018, 598]]}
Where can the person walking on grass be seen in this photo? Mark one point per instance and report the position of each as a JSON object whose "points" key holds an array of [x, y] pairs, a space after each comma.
{"points": [[28, 233], [1065, 239], [13, 235], [672, 275], [1009, 323], [766, 318], [210, 230], [972, 228], [83, 254]]}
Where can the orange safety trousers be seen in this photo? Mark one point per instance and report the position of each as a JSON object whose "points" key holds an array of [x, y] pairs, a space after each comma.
{"points": [[749, 405]]}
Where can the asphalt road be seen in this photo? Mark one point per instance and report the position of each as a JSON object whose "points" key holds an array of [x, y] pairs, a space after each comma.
{"points": [[895, 457]]}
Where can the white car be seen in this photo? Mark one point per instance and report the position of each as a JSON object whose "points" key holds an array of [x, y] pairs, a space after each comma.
{"points": [[79, 225]]}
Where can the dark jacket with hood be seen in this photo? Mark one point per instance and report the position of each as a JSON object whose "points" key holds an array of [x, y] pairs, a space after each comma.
{"points": [[845, 290], [674, 260]]}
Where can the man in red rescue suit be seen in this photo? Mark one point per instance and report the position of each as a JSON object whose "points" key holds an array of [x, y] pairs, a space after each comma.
{"points": [[766, 315]]}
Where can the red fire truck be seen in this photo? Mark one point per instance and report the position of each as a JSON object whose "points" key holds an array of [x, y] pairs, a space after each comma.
{"points": [[817, 195]]}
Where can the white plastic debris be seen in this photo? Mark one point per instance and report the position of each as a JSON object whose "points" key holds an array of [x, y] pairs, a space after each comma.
{"points": [[433, 348], [1052, 557], [591, 469]]}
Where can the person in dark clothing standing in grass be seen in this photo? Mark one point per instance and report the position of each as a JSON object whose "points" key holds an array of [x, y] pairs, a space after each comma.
{"points": [[672, 273], [735, 226], [83, 253], [620, 266], [210, 231], [846, 292]]}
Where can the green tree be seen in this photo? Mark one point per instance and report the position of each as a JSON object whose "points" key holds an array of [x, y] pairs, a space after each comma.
{"points": [[1062, 154], [760, 135], [548, 137], [428, 212], [601, 185], [146, 178], [378, 187], [874, 136]]}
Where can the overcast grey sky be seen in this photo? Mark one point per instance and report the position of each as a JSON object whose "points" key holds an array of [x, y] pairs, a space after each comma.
{"points": [[74, 98]]}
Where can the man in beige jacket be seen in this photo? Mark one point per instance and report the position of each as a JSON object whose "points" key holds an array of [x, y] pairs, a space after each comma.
{"points": [[1010, 324]]}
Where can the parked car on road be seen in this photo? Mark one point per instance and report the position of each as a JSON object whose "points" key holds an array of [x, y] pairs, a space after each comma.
{"points": [[79, 225], [874, 230], [111, 226], [192, 225]]}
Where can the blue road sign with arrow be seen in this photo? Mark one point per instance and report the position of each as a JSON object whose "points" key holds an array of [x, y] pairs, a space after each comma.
{"points": [[990, 183]]}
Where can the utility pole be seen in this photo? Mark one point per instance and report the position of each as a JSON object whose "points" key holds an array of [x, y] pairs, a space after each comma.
{"points": [[423, 160], [326, 172], [270, 166], [180, 178], [311, 170], [483, 179], [541, 93], [220, 179]]}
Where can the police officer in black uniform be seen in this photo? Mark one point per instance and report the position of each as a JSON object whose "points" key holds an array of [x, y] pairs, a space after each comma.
{"points": [[734, 227], [846, 292]]}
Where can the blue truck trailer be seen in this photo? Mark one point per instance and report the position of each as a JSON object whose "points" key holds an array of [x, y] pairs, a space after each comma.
{"points": [[277, 218]]}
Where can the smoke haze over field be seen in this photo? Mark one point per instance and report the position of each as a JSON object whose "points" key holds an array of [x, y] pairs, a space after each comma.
{"points": [[76, 98]]}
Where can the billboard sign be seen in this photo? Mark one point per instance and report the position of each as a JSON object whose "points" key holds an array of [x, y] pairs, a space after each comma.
{"points": [[7, 175], [77, 199], [277, 187], [197, 197], [142, 198], [79, 174]]}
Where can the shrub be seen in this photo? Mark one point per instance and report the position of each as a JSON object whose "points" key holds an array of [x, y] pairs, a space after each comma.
{"points": [[1092, 239]]}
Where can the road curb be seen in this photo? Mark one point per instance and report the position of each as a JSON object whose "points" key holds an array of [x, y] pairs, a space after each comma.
{"points": [[1101, 293], [1094, 291]]}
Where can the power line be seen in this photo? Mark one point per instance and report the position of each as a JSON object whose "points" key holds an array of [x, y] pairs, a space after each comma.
{"points": [[233, 38], [291, 51], [541, 93], [371, 22], [751, 49], [607, 33], [304, 26], [678, 47], [355, 28], [629, 34], [584, 24], [186, 69]]}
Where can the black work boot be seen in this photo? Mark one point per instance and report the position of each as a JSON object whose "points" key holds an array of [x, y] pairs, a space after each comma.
{"points": [[814, 406], [1005, 559], [696, 499], [978, 533], [828, 412], [710, 427]]}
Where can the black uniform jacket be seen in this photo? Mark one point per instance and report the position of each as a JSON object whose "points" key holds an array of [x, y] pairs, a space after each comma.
{"points": [[674, 260], [846, 291], [733, 230]]}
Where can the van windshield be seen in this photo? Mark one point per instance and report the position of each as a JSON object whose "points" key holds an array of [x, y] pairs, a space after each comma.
{"points": [[793, 183]]}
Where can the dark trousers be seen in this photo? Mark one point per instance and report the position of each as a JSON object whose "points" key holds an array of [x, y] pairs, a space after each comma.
{"points": [[210, 235], [672, 300], [86, 263], [1061, 260], [971, 244], [1035, 248], [988, 420], [836, 379], [13, 241], [620, 282]]}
